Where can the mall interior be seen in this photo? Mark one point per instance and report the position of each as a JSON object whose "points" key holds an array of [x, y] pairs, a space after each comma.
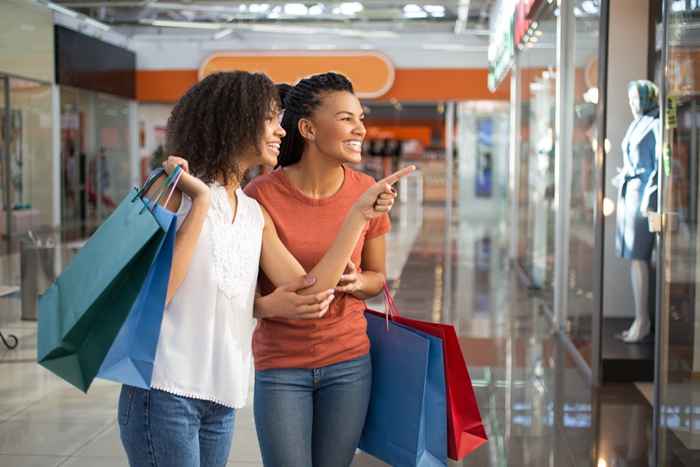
{"points": [[552, 219]]}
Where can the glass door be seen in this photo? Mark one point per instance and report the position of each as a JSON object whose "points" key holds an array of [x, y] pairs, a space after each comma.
{"points": [[678, 373], [6, 145]]}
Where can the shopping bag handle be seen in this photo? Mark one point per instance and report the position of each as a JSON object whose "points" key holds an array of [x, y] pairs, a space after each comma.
{"points": [[155, 175], [171, 183], [389, 305], [177, 175]]}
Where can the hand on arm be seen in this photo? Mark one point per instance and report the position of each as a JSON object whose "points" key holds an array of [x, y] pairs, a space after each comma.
{"points": [[286, 302], [370, 281]]}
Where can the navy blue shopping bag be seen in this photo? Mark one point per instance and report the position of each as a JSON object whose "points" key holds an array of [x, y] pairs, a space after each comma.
{"points": [[407, 419]]}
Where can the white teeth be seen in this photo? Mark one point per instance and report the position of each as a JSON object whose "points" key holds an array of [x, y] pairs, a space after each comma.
{"points": [[356, 145], [275, 146]]}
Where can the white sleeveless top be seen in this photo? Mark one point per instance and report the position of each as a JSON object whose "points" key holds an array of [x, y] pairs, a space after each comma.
{"points": [[204, 350]]}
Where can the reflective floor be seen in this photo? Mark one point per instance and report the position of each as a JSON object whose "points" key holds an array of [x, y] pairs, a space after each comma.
{"points": [[537, 408]]}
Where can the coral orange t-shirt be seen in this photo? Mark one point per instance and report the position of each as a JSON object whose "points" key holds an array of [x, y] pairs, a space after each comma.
{"points": [[307, 227]]}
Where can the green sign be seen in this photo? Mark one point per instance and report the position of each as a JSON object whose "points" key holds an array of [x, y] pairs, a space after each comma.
{"points": [[501, 53]]}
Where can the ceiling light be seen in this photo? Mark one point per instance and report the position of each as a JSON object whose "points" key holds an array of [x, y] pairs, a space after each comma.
{"points": [[317, 9], [180, 24], [414, 11], [258, 7], [351, 8], [275, 12], [60, 9], [436, 11], [295, 9], [222, 34]]}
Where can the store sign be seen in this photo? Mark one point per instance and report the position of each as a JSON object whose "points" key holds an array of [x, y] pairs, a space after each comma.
{"points": [[671, 112], [501, 45], [523, 19], [501, 52], [372, 74]]}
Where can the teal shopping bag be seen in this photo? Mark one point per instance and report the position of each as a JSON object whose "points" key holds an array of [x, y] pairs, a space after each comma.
{"points": [[84, 309]]}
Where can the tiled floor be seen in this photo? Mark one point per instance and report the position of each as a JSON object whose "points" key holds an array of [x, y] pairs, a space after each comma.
{"points": [[537, 409]]}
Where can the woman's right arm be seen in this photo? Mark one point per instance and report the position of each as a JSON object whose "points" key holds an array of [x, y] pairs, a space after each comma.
{"points": [[191, 228]]}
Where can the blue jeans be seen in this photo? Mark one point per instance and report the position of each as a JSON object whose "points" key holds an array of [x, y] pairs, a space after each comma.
{"points": [[159, 429], [312, 417]]}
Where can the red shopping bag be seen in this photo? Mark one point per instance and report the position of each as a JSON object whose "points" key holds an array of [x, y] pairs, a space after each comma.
{"points": [[465, 430]]}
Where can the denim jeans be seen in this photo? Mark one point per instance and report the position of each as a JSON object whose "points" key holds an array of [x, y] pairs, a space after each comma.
{"points": [[159, 429], [312, 417]]}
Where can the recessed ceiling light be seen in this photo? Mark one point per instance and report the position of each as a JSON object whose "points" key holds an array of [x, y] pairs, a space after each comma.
{"points": [[295, 9], [414, 11]]}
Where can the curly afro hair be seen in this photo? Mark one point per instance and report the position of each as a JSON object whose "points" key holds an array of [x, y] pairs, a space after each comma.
{"points": [[300, 101], [220, 119]]}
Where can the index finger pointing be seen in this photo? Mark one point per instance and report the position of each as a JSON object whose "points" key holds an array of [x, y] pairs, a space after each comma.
{"points": [[396, 176]]}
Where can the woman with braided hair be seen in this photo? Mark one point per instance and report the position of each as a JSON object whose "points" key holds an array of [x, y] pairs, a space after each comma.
{"points": [[224, 125], [313, 377]]}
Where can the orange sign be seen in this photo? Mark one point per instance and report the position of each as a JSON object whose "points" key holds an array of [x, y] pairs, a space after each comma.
{"points": [[372, 74]]}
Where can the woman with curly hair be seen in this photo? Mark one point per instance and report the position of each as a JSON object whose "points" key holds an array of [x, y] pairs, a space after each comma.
{"points": [[224, 125], [313, 377]]}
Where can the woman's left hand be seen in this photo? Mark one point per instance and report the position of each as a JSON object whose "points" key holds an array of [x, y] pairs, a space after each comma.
{"points": [[351, 280]]}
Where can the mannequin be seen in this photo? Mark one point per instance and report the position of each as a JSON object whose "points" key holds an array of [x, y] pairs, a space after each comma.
{"points": [[636, 182]]}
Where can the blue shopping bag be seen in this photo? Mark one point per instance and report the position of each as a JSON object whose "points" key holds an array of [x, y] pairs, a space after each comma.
{"points": [[406, 423], [130, 359]]}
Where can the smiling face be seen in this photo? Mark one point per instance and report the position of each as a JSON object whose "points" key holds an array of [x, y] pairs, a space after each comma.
{"points": [[337, 127], [272, 137]]}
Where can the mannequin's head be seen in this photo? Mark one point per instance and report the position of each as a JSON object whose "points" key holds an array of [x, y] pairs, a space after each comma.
{"points": [[643, 97]]}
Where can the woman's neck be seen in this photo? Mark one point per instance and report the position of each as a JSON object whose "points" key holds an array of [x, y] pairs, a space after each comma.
{"points": [[316, 176], [234, 182]]}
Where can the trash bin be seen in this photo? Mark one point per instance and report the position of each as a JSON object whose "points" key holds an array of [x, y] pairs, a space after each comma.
{"points": [[37, 273]]}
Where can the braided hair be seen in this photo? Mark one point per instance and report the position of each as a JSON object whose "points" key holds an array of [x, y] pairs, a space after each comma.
{"points": [[218, 120], [299, 102]]}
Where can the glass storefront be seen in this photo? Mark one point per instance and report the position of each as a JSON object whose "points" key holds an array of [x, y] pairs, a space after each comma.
{"points": [[679, 376], [538, 72], [580, 303], [95, 157], [26, 175]]}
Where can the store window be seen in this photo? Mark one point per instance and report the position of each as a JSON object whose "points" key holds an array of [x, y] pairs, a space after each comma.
{"points": [[680, 305], [95, 157], [27, 189], [538, 72], [580, 303]]}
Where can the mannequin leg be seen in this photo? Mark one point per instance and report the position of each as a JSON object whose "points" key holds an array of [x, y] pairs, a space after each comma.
{"points": [[640, 287]]}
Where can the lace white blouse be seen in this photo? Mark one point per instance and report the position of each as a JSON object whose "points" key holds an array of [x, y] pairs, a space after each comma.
{"points": [[204, 350]]}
